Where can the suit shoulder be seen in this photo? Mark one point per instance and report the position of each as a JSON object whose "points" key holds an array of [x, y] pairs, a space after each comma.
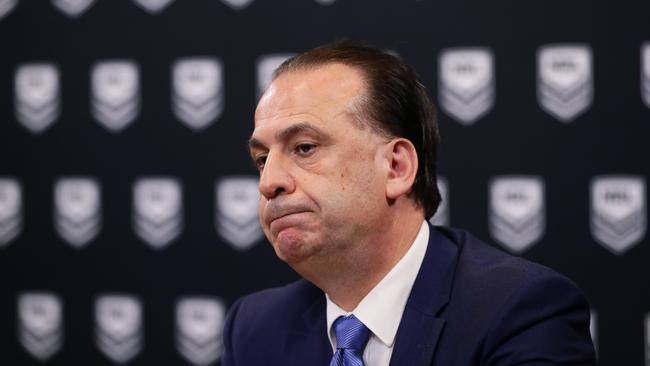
{"points": [[276, 304], [484, 272]]}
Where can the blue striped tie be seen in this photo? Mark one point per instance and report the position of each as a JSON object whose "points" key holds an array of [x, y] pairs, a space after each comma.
{"points": [[351, 339]]}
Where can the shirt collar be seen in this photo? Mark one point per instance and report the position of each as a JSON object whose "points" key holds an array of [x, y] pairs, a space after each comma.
{"points": [[381, 310]]}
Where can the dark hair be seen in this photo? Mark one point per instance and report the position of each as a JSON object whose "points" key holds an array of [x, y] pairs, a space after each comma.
{"points": [[396, 104]]}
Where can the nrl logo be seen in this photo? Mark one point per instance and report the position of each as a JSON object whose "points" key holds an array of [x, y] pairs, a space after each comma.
{"points": [[441, 217], [153, 6], [237, 217], [38, 100], [516, 212], [40, 324], [198, 96], [118, 327], [73, 8], [158, 210], [266, 65], [466, 83], [645, 74], [77, 210], [618, 211], [115, 101], [564, 80], [11, 210], [6, 6], [237, 4], [199, 325]]}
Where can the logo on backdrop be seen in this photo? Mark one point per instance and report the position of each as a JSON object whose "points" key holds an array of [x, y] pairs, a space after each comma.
{"points": [[199, 324], [265, 67], [38, 100], [77, 210], [565, 85], [40, 324], [73, 8], [119, 332], [237, 217], [6, 6], [618, 211], [153, 6], [11, 210], [517, 218], [115, 101], [466, 83], [198, 92], [441, 216], [237, 4], [157, 210], [645, 73]]}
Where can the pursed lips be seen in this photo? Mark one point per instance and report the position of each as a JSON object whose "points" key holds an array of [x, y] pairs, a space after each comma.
{"points": [[274, 213]]}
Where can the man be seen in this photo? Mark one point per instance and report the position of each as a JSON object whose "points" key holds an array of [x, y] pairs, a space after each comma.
{"points": [[345, 141]]}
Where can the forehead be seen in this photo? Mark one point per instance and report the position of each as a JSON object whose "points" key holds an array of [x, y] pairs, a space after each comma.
{"points": [[321, 93]]}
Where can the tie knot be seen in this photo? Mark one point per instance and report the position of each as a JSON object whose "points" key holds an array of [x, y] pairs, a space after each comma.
{"points": [[350, 333]]}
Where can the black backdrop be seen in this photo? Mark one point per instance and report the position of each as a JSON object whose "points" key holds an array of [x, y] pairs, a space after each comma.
{"points": [[515, 137]]}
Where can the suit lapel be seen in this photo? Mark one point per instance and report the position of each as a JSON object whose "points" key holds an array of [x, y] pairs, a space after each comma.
{"points": [[307, 342], [420, 328]]}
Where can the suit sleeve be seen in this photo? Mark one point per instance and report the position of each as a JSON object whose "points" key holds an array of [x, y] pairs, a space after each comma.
{"points": [[545, 322], [228, 357]]}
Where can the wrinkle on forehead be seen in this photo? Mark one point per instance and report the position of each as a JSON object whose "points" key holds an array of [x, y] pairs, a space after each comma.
{"points": [[326, 91]]}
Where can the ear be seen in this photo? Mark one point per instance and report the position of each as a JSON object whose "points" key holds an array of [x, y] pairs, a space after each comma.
{"points": [[403, 168]]}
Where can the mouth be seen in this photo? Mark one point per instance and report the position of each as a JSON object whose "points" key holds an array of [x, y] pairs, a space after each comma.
{"points": [[287, 220]]}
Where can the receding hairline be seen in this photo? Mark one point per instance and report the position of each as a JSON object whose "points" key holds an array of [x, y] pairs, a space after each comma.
{"points": [[358, 106]]}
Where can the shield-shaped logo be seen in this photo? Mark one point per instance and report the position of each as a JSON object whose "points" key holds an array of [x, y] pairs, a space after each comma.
{"points": [[237, 4], [266, 65], [73, 8], [198, 92], [645, 73], [517, 218], [38, 100], [11, 210], [237, 217], [158, 210], [119, 332], [6, 6], [199, 324], [441, 216], [466, 83], [115, 101], [618, 211], [40, 324], [77, 210], [153, 6], [565, 85]]}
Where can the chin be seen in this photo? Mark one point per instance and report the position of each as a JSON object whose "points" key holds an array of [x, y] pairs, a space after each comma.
{"points": [[293, 249]]}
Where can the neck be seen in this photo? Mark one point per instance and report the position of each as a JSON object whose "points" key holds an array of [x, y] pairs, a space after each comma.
{"points": [[348, 277]]}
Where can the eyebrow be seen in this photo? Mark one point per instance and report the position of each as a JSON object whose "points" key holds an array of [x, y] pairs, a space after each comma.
{"points": [[287, 133]]}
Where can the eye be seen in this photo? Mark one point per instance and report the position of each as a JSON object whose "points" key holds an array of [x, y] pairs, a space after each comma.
{"points": [[305, 149], [259, 162]]}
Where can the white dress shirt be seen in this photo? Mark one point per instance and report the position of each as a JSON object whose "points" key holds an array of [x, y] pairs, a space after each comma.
{"points": [[381, 310]]}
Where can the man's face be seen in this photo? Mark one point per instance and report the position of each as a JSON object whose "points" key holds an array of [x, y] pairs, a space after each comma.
{"points": [[322, 175]]}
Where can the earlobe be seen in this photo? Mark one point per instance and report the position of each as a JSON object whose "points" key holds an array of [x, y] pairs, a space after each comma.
{"points": [[403, 168]]}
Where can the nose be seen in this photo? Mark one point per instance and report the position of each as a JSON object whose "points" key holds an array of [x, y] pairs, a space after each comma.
{"points": [[275, 178]]}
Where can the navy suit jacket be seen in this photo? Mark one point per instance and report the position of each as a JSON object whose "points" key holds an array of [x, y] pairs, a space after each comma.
{"points": [[471, 304]]}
